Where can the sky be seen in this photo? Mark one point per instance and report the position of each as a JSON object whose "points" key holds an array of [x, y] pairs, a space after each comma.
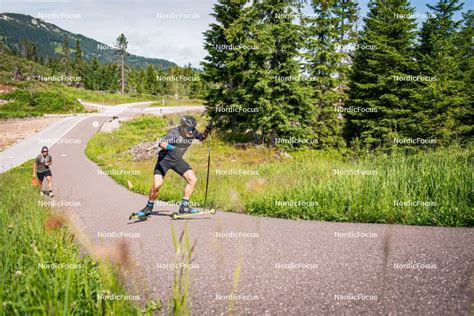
{"points": [[167, 29]]}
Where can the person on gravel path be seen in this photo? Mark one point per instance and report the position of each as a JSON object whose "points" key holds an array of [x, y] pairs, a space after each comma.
{"points": [[41, 170], [173, 146]]}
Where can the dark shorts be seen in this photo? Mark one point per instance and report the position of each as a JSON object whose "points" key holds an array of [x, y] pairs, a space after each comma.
{"points": [[42, 175], [179, 166]]}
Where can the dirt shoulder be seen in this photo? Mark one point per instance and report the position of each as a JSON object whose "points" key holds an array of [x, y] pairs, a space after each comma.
{"points": [[14, 130]]}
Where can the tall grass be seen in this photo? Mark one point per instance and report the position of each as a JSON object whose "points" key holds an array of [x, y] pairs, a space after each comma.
{"points": [[179, 302], [312, 185], [43, 272]]}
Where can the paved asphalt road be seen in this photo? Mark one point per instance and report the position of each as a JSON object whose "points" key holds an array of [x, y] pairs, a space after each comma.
{"points": [[28, 148], [286, 266]]}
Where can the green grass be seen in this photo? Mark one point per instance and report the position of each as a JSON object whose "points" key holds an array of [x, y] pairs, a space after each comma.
{"points": [[443, 177], [38, 99], [32, 236], [105, 97]]}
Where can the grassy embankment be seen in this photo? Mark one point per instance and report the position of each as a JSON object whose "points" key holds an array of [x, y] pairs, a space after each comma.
{"points": [[38, 99], [43, 272], [440, 181]]}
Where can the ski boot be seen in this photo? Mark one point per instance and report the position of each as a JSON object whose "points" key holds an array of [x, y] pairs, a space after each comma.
{"points": [[142, 214], [186, 209]]}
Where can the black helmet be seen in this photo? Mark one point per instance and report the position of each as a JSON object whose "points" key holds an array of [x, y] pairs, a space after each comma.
{"points": [[188, 123]]}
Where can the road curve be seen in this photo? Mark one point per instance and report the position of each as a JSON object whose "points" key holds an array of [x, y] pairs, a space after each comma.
{"points": [[286, 266], [27, 148]]}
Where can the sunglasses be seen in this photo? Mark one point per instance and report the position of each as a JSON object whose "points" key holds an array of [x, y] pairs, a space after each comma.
{"points": [[44, 151]]}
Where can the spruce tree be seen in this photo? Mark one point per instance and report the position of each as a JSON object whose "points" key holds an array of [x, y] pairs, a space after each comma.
{"points": [[222, 75], [78, 63], [380, 79], [466, 58], [65, 52], [151, 80], [444, 98], [78, 54], [330, 31], [272, 82]]}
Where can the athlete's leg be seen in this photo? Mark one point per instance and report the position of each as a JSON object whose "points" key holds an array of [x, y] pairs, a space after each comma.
{"points": [[40, 178], [159, 174], [155, 187], [191, 181], [50, 183]]}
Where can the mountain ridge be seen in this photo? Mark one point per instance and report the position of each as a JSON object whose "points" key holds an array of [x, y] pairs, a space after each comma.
{"points": [[48, 37]]}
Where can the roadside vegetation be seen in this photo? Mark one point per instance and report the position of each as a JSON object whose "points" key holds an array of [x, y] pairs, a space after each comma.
{"points": [[311, 185], [170, 100], [43, 270], [23, 103]]}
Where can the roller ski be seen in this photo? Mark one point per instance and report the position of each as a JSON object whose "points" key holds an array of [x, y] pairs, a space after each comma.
{"points": [[141, 215], [185, 211]]}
